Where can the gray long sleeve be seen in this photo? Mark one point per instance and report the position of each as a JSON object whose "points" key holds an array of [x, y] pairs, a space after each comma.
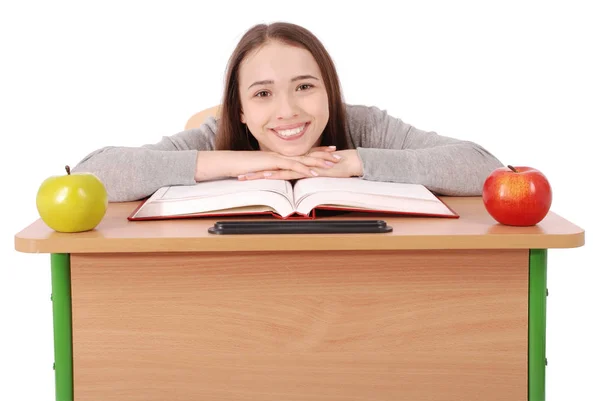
{"points": [[132, 173], [390, 150]]}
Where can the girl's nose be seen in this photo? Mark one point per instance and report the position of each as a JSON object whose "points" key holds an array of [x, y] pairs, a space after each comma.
{"points": [[285, 109]]}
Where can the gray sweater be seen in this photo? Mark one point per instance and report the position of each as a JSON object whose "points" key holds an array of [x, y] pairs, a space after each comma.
{"points": [[390, 150]]}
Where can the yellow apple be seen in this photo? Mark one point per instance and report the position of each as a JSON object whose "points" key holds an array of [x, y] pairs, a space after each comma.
{"points": [[72, 203]]}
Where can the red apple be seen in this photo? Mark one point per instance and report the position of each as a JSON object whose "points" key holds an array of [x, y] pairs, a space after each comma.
{"points": [[517, 196]]}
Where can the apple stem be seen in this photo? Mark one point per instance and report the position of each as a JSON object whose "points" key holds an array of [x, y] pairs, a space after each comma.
{"points": [[68, 170], [512, 168]]}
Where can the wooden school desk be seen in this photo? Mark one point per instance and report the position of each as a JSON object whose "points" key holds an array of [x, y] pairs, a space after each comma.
{"points": [[439, 309]]}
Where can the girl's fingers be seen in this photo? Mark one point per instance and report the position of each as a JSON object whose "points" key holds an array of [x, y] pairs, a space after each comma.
{"points": [[272, 175], [285, 175], [310, 162], [329, 156], [323, 149], [300, 166]]}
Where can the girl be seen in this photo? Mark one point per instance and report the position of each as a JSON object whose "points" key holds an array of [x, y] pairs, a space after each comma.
{"points": [[283, 117]]}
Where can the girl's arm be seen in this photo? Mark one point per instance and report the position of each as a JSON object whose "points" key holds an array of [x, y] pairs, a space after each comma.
{"points": [[391, 150], [132, 173]]}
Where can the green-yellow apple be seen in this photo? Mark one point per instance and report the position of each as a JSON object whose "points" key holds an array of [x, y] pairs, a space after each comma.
{"points": [[72, 203]]}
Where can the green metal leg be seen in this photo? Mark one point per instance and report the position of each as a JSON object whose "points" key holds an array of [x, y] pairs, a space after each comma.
{"points": [[537, 323], [61, 311]]}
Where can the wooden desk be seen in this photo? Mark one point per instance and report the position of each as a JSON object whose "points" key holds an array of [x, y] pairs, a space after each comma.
{"points": [[439, 309]]}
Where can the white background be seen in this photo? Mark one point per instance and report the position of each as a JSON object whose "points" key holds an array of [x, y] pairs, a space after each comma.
{"points": [[521, 79]]}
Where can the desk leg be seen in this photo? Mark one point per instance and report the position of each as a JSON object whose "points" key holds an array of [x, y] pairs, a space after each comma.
{"points": [[61, 311], [537, 324]]}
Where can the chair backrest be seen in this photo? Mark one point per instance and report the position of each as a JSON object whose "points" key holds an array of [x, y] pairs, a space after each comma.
{"points": [[197, 119]]}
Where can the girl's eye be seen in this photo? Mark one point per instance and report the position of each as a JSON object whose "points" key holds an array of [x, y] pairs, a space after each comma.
{"points": [[262, 94], [305, 86]]}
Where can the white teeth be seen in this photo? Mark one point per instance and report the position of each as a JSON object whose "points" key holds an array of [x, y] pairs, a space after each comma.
{"points": [[290, 132]]}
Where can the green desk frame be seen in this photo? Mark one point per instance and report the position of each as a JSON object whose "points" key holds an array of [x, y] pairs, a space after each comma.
{"points": [[63, 340]]}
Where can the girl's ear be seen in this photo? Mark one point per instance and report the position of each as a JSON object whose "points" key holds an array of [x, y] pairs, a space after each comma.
{"points": [[242, 118]]}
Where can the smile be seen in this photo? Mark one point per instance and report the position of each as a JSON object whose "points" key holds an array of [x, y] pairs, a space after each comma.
{"points": [[291, 134]]}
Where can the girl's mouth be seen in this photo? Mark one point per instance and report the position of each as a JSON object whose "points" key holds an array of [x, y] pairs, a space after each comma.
{"points": [[292, 133]]}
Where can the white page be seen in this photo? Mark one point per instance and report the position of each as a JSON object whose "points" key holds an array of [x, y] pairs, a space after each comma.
{"points": [[372, 202], [215, 196], [307, 186], [221, 187], [250, 201]]}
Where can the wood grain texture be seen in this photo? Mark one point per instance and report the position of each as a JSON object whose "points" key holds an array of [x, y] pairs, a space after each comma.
{"points": [[200, 117], [475, 229], [301, 326]]}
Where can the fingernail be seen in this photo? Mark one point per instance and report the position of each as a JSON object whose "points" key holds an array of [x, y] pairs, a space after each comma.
{"points": [[268, 174], [328, 163], [337, 157], [331, 147], [314, 173], [241, 177]]}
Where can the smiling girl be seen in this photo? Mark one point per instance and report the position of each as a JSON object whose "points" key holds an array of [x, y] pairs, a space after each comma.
{"points": [[283, 117]]}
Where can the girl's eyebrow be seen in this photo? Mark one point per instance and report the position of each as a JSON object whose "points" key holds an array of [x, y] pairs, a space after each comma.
{"points": [[301, 77], [271, 82]]}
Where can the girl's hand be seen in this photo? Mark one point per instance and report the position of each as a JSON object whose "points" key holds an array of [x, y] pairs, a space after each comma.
{"points": [[302, 166], [259, 164], [346, 164]]}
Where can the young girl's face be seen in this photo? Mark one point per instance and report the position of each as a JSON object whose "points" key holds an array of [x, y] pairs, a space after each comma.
{"points": [[284, 100]]}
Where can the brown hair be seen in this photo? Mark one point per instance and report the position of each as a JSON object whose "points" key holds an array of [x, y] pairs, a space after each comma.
{"points": [[232, 134]]}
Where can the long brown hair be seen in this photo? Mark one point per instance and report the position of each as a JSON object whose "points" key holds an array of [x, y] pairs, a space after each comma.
{"points": [[232, 134]]}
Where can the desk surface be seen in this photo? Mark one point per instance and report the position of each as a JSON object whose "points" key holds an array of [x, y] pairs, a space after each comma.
{"points": [[475, 229]]}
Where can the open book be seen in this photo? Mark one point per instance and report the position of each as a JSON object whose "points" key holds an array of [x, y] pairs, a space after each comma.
{"points": [[282, 199]]}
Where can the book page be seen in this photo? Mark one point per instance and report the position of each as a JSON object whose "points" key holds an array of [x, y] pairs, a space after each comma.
{"points": [[225, 186], [352, 200], [355, 193], [216, 197], [308, 186], [249, 202]]}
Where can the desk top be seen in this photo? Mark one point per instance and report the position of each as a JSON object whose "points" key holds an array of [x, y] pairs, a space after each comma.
{"points": [[475, 229]]}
